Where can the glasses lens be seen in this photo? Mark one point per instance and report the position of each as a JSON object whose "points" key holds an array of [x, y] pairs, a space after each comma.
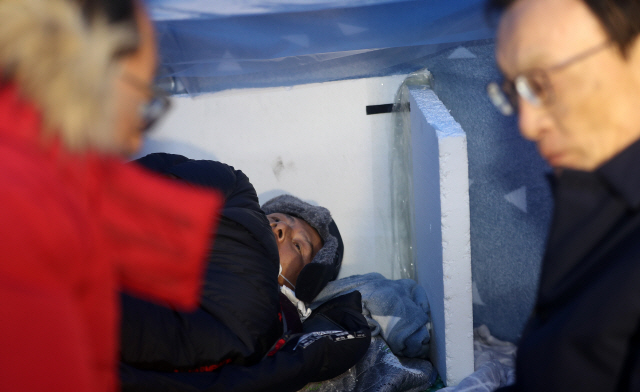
{"points": [[153, 110], [510, 92], [500, 99], [534, 88], [540, 86], [525, 91]]}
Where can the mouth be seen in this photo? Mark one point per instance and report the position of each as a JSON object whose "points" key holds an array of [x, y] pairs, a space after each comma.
{"points": [[553, 158]]}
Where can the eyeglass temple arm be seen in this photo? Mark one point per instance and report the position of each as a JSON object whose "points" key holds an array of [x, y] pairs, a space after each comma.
{"points": [[581, 56]]}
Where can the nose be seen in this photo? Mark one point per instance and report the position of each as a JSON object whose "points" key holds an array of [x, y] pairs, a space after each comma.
{"points": [[531, 120], [280, 230]]}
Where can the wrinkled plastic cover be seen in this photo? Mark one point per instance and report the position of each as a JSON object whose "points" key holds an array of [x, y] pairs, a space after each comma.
{"points": [[215, 45], [381, 371], [206, 9], [401, 178]]}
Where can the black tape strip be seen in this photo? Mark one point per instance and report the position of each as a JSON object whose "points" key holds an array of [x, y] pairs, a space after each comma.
{"points": [[386, 108], [378, 109]]}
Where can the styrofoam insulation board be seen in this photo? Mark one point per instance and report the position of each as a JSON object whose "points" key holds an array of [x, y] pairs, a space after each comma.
{"points": [[442, 231]]}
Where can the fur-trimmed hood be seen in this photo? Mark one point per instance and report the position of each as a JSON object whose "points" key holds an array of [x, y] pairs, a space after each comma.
{"points": [[65, 65]]}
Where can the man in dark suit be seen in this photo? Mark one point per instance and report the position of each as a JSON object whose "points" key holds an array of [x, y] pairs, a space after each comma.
{"points": [[572, 74]]}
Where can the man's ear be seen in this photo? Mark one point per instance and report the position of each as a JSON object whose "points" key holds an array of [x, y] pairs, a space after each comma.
{"points": [[312, 279]]}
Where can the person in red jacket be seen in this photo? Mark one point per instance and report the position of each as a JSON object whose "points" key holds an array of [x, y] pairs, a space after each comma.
{"points": [[76, 225]]}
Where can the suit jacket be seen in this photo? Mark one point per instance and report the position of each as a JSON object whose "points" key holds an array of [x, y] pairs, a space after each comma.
{"points": [[584, 333]]}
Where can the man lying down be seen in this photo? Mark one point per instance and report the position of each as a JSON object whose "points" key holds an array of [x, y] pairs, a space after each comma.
{"points": [[246, 335]]}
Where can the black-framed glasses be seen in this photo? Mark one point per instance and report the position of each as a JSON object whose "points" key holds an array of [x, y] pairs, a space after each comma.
{"points": [[534, 85], [155, 107]]}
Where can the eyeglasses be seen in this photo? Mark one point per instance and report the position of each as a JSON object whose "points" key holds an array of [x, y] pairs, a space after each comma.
{"points": [[533, 86], [156, 106]]}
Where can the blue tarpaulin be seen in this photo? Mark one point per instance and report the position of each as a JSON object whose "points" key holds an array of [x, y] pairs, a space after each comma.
{"points": [[215, 45]]}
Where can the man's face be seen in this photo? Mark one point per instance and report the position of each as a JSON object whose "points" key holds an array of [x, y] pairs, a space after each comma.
{"points": [[298, 244], [595, 111], [140, 66]]}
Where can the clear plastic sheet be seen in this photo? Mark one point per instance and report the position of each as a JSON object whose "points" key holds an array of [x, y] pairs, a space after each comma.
{"points": [[402, 215], [210, 46]]}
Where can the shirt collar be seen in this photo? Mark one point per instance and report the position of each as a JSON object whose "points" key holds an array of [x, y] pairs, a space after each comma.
{"points": [[622, 174]]}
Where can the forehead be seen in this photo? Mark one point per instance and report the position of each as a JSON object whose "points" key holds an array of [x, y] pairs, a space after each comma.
{"points": [[540, 33], [313, 233], [300, 224]]}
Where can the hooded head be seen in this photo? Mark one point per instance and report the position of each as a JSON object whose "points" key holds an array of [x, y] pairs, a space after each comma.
{"points": [[325, 265], [86, 65]]}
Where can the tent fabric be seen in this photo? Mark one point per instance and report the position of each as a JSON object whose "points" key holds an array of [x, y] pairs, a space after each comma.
{"points": [[210, 46]]}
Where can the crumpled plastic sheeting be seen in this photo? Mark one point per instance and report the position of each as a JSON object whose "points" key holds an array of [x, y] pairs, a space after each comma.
{"points": [[214, 47], [401, 178], [494, 364], [380, 371]]}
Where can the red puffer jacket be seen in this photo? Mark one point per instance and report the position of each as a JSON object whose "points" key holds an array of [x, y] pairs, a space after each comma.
{"points": [[73, 231]]}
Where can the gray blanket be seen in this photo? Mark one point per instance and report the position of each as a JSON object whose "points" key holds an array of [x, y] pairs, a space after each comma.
{"points": [[396, 310], [397, 313]]}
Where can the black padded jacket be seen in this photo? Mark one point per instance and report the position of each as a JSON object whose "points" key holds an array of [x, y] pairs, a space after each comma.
{"points": [[235, 341]]}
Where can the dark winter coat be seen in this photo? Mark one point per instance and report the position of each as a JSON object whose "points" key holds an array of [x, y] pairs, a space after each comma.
{"points": [[224, 345], [584, 334]]}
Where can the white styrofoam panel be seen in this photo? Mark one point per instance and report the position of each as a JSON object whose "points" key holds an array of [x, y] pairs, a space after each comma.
{"points": [[314, 141], [442, 231]]}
